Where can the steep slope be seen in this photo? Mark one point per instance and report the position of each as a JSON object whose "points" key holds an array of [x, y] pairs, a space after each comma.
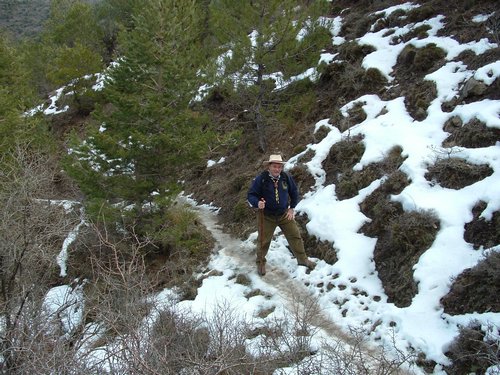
{"points": [[407, 112], [397, 159]]}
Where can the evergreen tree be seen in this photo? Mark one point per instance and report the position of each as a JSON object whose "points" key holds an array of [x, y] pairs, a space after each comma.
{"points": [[262, 38], [69, 47], [73, 22], [16, 97], [148, 133]]}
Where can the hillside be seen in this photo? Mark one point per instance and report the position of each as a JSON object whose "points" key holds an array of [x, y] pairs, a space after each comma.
{"points": [[394, 143], [403, 233], [23, 18]]}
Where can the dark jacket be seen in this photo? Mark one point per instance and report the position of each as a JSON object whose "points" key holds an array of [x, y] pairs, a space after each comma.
{"points": [[263, 187]]}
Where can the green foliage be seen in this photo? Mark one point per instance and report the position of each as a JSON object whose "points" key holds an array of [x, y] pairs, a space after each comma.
{"points": [[240, 210], [117, 14], [180, 232], [70, 46], [73, 63], [151, 135], [261, 38], [14, 92], [275, 45], [16, 97], [296, 104], [73, 22]]}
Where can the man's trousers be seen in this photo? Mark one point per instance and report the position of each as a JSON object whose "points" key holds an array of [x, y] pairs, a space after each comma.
{"points": [[267, 225]]}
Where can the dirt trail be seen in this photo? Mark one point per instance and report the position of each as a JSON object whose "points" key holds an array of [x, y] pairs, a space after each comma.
{"points": [[295, 295]]}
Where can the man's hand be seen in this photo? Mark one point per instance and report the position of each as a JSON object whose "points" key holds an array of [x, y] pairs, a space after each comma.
{"points": [[262, 204], [290, 214]]}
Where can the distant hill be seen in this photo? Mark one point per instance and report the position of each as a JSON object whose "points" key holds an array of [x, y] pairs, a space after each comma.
{"points": [[23, 18]]}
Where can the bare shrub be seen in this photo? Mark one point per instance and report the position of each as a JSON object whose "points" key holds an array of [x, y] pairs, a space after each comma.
{"points": [[474, 134], [476, 289], [351, 182], [357, 358], [342, 157], [480, 231], [181, 342], [32, 230], [419, 98], [456, 173], [404, 239], [475, 350], [120, 281], [287, 340]]}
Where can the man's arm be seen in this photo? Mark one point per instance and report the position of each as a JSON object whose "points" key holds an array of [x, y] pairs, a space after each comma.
{"points": [[293, 192], [255, 192]]}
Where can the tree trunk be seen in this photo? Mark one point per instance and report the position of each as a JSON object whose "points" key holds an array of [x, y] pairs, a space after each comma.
{"points": [[260, 120]]}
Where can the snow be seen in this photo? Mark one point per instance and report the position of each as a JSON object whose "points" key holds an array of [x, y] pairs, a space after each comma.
{"points": [[62, 257], [422, 325], [64, 307]]}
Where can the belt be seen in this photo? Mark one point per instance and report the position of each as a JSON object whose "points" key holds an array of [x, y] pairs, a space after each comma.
{"points": [[274, 214]]}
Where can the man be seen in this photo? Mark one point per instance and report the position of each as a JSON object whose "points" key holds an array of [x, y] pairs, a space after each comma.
{"points": [[275, 194]]}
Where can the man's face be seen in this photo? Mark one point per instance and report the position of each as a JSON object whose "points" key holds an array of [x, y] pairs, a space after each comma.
{"points": [[275, 169]]}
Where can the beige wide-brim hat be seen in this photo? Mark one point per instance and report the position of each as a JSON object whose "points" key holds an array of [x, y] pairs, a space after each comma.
{"points": [[274, 159]]}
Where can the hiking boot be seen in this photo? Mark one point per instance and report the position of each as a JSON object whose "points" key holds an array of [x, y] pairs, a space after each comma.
{"points": [[308, 263], [261, 269]]}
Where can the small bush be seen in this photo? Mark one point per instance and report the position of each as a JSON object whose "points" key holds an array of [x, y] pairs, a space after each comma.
{"points": [[482, 232], [405, 238], [455, 173], [421, 13], [353, 52], [419, 98], [241, 211], [355, 26], [356, 113], [302, 177], [474, 134], [473, 352], [427, 57], [476, 289], [374, 80], [315, 248], [351, 182], [342, 157], [407, 56], [420, 32], [396, 18]]}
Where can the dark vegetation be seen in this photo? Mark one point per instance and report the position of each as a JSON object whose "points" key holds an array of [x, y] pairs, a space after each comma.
{"points": [[170, 247]]}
